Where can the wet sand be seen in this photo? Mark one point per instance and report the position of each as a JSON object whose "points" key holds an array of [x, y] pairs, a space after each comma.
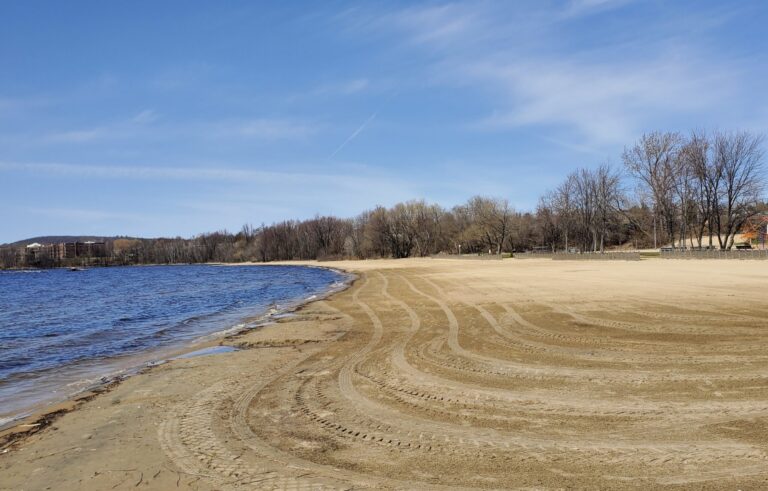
{"points": [[434, 374]]}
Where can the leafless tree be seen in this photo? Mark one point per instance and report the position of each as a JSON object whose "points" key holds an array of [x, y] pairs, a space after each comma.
{"points": [[493, 218], [564, 205], [738, 156], [705, 174], [428, 226], [548, 222], [653, 162], [606, 185]]}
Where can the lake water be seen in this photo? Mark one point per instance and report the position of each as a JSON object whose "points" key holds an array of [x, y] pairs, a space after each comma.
{"points": [[61, 330]]}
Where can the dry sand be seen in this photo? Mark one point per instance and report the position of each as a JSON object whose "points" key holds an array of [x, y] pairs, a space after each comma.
{"points": [[430, 374]]}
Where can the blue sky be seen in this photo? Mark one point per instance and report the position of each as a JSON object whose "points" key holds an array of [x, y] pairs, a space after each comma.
{"points": [[175, 118]]}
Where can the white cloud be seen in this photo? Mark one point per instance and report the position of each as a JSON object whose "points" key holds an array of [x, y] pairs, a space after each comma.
{"points": [[270, 129], [590, 90], [81, 214], [140, 126], [603, 102], [24, 104], [577, 8], [343, 87], [339, 88], [441, 24], [145, 117], [212, 173], [356, 85], [225, 196], [78, 136]]}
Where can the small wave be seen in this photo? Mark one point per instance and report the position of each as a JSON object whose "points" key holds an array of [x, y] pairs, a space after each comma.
{"points": [[83, 382], [131, 310]]}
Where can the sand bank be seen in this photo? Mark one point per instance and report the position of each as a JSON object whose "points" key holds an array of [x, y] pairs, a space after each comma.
{"points": [[440, 373]]}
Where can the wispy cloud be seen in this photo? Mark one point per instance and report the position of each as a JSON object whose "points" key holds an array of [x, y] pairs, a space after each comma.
{"points": [[81, 214], [79, 136], [269, 129], [183, 76], [359, 86], [598, 92], [440, 24], [210, 173], [226, 196], [145, 117], [14, 103], [602, 102], [22, 106], [576, 8], [145, 125], [343, 87]]}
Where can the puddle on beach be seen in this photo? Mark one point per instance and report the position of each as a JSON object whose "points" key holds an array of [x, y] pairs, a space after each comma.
{"points": [[211, 350]]}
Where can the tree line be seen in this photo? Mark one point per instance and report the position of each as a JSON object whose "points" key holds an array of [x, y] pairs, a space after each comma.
{"points": [[694, 191], [690, 191]]}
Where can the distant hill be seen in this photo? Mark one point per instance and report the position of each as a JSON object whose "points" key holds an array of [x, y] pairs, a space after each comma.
{"points": [[52, 239]]}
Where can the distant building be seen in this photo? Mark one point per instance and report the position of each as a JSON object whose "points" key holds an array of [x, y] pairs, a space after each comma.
{"points": [[36, 251], [756, 229], [95, 249], [64, 250]]}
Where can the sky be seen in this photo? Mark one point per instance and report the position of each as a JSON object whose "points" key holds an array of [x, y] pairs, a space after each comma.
{"points": [[172, 118]]}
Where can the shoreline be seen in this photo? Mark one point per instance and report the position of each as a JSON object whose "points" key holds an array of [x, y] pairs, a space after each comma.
{"points": [[440, 374], [38, 416], [297, 262]]}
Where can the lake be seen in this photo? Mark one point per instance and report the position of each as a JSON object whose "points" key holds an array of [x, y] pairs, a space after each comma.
{"points": [[61, 330]]}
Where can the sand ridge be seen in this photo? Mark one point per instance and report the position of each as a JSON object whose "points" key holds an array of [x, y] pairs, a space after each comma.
{"points": [[440, 374]]}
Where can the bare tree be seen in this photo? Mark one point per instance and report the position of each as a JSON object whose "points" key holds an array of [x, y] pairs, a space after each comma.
{"points": [[705, 175], [548, 221], [585, 207], [428, 221], [739, 159], [360, 242], [564, 205], [493, 218], [594, 196], [653, 161], [606, 185], [683, 188]]}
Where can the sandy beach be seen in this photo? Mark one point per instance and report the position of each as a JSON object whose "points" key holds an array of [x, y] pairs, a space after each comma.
{"points": [[437, 373]]}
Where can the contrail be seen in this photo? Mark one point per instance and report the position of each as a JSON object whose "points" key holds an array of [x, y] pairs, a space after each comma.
{"points": [[362, 126], [355, 133]]}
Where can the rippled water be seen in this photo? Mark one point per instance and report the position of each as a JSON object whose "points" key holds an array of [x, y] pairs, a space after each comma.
{"points": [[58, 327]]}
